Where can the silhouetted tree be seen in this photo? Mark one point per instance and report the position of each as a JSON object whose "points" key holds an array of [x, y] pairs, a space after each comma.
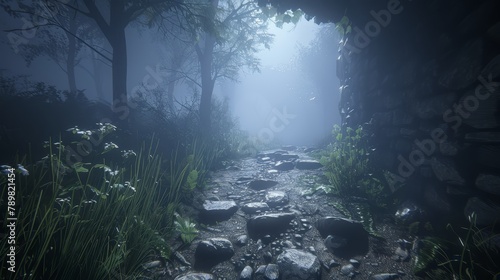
{"points": [[56, 30], [226, 39]]}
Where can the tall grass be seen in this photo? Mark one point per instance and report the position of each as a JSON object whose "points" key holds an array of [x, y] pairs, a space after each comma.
{"points": [[94, 223], [470, 254]]}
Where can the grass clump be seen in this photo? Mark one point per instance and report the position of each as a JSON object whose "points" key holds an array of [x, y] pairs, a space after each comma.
{"points": [[469, 254], [91, 220]]}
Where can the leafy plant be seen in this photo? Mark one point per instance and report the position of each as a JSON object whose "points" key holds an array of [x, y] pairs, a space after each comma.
{"points": [[186, 228], [351, 176], [344, 26], [348, 169], [472, 255]]}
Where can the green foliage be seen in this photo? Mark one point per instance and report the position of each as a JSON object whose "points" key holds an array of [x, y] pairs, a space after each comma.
{"points": [[186, 228], [471, 255], [344, 26], [89, 220], [347, 167], [351, 176]]}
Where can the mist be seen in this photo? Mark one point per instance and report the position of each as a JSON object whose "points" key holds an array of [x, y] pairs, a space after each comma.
{"points": [[281, 104]]}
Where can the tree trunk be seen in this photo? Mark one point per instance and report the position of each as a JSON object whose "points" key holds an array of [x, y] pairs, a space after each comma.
{"points": [[70, 60], [207, 80], [118, 42]]}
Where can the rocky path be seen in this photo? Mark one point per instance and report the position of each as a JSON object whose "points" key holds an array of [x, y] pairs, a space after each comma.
{"points": [[256, 223]]}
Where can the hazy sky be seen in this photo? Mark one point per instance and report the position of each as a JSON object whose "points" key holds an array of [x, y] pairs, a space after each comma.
{"points": [[279, 103]]}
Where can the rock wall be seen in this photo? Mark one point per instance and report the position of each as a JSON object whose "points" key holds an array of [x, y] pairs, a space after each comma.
{"points": [[422, 77]]}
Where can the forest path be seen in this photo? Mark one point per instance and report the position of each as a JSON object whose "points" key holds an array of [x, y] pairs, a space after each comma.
{"points": [[257, 219]]}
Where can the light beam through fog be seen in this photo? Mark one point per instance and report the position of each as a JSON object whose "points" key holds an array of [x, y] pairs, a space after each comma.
{"points": [[282, 104]]}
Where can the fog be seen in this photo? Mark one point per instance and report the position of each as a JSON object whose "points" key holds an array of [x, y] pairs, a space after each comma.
{"points": [[280, 104]]}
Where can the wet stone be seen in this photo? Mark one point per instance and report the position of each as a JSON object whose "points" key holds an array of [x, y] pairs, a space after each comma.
{"points": [[212, 251], [262, 184], [269, 224], [347, 269], [196, 276], [214, 211], [333, 242], [272, 272], [298, 264], [242, 240], [356, 237], [401, 255], [308, 164], [261, 270], [246, 273], [255, 207], [284, 166], [276, 198], [384, 276]]}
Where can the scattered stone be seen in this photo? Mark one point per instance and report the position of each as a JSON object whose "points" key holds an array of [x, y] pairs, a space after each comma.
{"points": [[255, 207], [246, 273], [261, 270], [151, 264], [259, 185], [179, 257], [297, 264], [212, 251], [401, 255], [242, 240], [284, 165], [288, 244], [242, 180], [384, 276], [214, 211], [408, 213], [276, 198], [333, 242], [352, 231], [269, 224], [333, 263], [268, 257], [272, 272], [308, 164], [195, 276], [347, 269], [355, 262], [488, 183]]}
